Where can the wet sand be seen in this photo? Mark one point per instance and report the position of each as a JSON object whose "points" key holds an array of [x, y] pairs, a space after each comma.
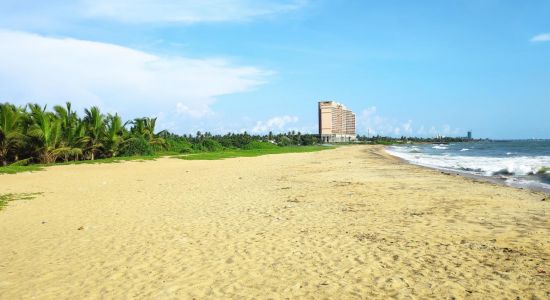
{"points": [[347, 223]]}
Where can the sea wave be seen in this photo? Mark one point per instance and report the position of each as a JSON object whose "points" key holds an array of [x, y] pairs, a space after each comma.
{"points": [[524, 164], [516, 168]]}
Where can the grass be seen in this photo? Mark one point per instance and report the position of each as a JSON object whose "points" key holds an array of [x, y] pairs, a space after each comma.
{"points": [[251, 153], [195, 156], [5, 198], [18, 169], [39, 167], [108, 160]]}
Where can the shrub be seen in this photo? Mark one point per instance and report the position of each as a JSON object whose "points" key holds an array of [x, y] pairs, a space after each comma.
{"points": [[178, 145], [209, 145], [284, 141], [136, 146], [259, 145]]}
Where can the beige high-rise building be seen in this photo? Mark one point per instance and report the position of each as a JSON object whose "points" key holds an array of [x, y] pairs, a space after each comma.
{"points": [[336, 123]]}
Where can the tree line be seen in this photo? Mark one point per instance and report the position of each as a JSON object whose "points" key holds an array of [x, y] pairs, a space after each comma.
{"points": [[386, 140], [34, 134]]}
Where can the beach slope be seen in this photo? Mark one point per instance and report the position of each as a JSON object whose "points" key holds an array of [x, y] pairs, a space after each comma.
{"points": [[352, 222]]}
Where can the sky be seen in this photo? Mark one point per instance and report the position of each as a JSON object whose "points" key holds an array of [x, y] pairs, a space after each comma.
{"points": [[414, 68]]}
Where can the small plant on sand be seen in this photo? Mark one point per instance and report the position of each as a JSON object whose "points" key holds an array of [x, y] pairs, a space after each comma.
{"points": [[5, 198], [12, 169]]}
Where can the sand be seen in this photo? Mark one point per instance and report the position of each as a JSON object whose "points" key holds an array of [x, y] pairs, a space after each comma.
{"points": [[346, 223]]}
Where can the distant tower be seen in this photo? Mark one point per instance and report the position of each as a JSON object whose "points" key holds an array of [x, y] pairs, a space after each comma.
{"points": [[470, 135]]}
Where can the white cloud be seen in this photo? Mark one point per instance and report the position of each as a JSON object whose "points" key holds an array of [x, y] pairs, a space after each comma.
{"points": [[544, 37], [189, 11], [277, 124], [198, 111], [50, 70], [407, 127], [56, 12], [54, 16], [371, 122], [369, 112]]}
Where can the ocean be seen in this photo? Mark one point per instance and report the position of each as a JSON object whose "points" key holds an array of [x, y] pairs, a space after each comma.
{"points": [[521, 163]]}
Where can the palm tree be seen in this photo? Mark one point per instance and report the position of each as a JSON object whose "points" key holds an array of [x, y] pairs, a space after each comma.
{"points": [[72, 132], [114, 134], [67, 117], [46, 130], [11, 136], [138, 128], [76, 138], [95, 129], [154, 140], [33, 134], [145, 128]]}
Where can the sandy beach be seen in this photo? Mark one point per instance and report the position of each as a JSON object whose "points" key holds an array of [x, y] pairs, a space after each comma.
{"points": [[347, 223]]}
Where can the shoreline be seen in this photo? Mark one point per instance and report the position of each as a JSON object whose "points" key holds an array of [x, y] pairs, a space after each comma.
{"points": [[351, 222], [489, 179]]}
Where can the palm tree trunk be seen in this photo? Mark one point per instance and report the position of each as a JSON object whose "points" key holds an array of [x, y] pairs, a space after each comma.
{"points": [[3, 156]]}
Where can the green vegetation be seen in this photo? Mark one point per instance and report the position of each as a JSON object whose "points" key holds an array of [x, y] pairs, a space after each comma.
{"points": [[386, 140], [5, 198], [251, 152], [17, 169], [12, 169], [31, 137]]}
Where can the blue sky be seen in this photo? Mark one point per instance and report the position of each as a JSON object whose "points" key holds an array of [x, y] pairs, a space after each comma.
{"points": [[405, 67]]}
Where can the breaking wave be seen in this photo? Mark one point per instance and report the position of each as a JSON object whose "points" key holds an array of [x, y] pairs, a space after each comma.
{"points": [[515, 170]]}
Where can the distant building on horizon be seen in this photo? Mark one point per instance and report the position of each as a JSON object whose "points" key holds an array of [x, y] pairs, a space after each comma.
{"points": [[336, 123], [470, 135]]}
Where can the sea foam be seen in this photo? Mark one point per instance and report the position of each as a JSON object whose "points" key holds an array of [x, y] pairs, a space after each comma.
{"points": [[515, 169]]}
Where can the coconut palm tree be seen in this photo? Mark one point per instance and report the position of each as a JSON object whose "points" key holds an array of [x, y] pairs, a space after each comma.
{"points": [[45, 129], [145, 128], [113, 134], [75, 139], [11, 136], [95, 129], [72, 130], [67, 117], [155, 140], [138, 128], [33, 134]]}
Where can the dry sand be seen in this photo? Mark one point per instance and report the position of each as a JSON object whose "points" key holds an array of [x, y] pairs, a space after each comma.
{"points": [[346, 223]]}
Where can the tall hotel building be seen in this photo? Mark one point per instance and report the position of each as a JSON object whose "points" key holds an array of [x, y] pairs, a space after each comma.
{"points": [[336, 123]]}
